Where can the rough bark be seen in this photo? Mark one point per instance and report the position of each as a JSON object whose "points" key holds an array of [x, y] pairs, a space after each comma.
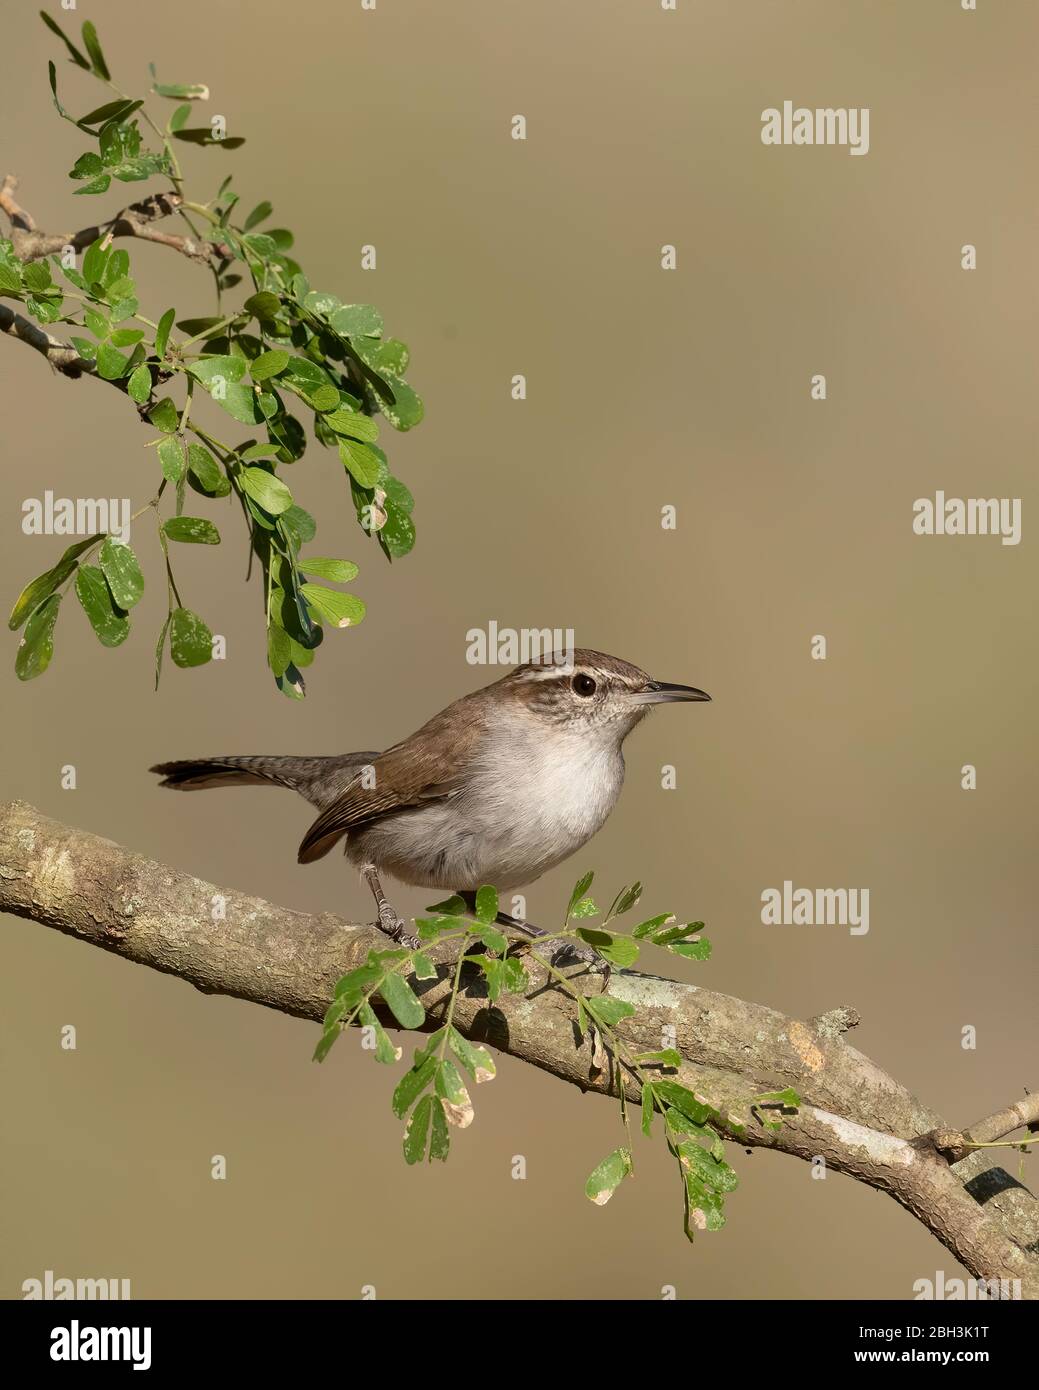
{"points": [[853, 1114]]}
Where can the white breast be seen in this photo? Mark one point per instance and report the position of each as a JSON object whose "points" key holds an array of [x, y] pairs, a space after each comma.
{"points": [[532, 797]]}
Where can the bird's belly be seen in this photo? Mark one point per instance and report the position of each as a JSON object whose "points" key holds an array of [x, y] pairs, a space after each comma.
{"points": [[506, 832]]}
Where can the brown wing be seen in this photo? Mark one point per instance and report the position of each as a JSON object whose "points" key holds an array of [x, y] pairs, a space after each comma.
{"points": [[427, 766]]}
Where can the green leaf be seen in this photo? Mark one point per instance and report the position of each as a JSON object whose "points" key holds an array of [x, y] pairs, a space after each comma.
{"points": [[788, 1099], [356, 320], [604, 1179], [667, 1057], [494, 972], [493, 939], [618, 950], [268, 364], [139, 387], [74, 52], [260, 213], [683, 1100], [362, 464], [95, 258], [476, 1060], [716, 1175], [397, 535], [692, 950], [194, 530], [165, 416], [454, 906], [516, 979], [651, 924], [298, 525], [439, 1139], [322, 398], [625, 901], [455, 1102], [177, 91], [263, 306], [580, 889], [37, 645], [191, 642], [37, 589], [405, 410], [117, 110], [326, 1042], [412, 1084], [279, 649], [93, 47], [207, 472], [111, 363], [424, 967], [217, 370], [109, 622], [162, 333], [270, 492], [703, 1209], [417, 1131], [486, 904], [607, 1009], [585, 908], [122, 571], [341, 610], [37, 276], [171, 457], [402, 1001], [385, 1051], [321, 304], [647, 1109], [339, 571], [352, 423]]}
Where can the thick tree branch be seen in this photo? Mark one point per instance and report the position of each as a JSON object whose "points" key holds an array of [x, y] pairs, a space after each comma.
{"points": [[855, 1116], [30, 244]]}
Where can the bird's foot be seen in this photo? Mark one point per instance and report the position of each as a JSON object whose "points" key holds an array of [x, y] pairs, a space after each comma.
{"points": [[571, 953], [393, 924]]}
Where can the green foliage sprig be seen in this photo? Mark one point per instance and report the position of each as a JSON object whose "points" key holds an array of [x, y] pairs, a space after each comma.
{"points": [[432, 1096], [286, 345]]}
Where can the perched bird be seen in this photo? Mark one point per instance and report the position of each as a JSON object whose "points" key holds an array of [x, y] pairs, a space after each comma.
{"points": [[497, 788]]}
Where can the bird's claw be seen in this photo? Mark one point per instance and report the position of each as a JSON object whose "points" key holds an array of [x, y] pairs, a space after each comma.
{"points": [[396, 928], [570, 953]]}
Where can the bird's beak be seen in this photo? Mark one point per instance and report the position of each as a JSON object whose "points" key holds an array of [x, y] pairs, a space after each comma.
{"points": [[663, 692]]}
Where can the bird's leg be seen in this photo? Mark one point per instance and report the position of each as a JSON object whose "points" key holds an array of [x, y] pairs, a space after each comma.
{"points": [[565, 951], [390, 920]]}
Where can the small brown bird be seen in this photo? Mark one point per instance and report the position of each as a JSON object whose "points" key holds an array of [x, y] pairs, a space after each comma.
{"points": [[497, 788]]}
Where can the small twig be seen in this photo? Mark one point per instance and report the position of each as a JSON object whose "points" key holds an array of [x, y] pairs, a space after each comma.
{"points": [[955, 1144]]}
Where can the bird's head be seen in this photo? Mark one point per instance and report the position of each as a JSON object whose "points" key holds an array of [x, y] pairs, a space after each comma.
{"points": [[590, 691]]}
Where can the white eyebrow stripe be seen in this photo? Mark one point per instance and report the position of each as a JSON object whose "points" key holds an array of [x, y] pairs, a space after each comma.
{"points": [[547, 673]]}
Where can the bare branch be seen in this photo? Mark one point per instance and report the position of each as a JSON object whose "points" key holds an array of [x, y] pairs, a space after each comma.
{"points": [[957, 1143], [853, 1115], [30, 244], [61, 356]]}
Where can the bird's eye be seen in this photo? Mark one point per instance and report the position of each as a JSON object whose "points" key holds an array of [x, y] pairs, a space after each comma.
{"points": [[583, 685]]}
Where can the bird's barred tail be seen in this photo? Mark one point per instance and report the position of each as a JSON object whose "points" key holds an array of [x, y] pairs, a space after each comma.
{"points": [[193, 774]]}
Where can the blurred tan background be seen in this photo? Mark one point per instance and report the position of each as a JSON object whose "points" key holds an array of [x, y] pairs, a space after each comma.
{"points": [[645, 388]]}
